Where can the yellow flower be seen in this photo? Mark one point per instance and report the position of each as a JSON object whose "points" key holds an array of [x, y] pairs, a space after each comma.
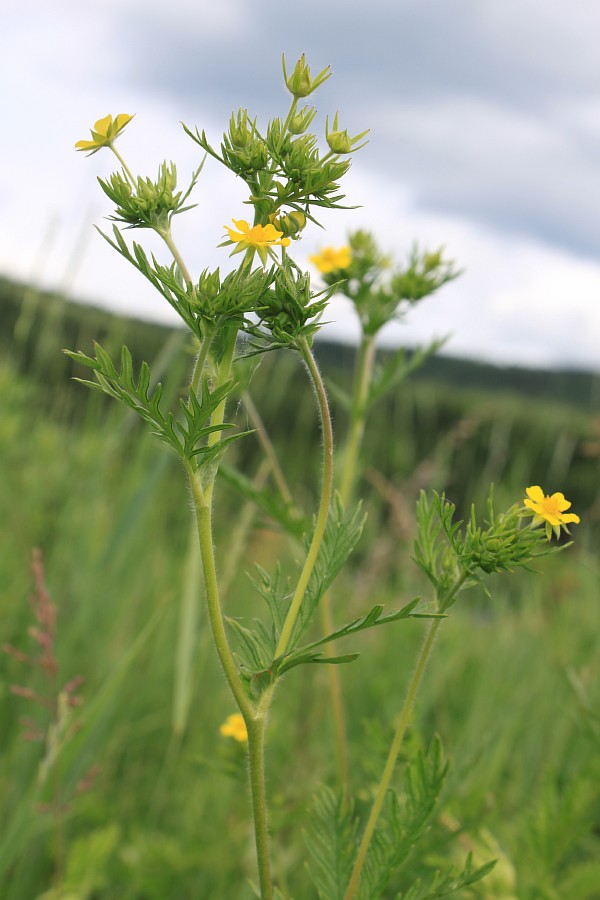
{"points": [[104, 132], [549, 509], [331, 260], [260, 238], [234, 727]]}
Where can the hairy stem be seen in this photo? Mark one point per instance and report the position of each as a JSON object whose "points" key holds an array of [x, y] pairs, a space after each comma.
{"points": [[256, 758], [362, 381], [215, 615], [323, 511]]}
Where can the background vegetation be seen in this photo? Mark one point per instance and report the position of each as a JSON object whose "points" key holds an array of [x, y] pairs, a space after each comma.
{"points": [[147, 800]]}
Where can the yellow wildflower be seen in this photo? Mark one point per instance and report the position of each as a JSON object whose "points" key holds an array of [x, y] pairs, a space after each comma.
{"points": [[234, 727], [549, 509], [104, 132], [332, 260], [260, 238]]}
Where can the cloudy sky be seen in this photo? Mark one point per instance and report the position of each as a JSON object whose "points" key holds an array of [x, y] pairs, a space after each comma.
{"points": [[485, 137]]}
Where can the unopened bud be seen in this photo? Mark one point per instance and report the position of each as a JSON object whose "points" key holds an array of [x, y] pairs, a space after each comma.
{"points": [[300, 83]]}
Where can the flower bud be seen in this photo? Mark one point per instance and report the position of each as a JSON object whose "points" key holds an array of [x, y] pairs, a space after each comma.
{"points": [[300, 83], [339, 140], [290, 224], [302, 120]]}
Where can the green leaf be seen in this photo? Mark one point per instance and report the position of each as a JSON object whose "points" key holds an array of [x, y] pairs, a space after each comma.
{"points": [[186, 437], [443, 884], [404, 820], [330, 841], [342, 534], [373, 618]]}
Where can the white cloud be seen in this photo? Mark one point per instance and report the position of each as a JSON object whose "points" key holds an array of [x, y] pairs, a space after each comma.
{"points": [[493, 180]]}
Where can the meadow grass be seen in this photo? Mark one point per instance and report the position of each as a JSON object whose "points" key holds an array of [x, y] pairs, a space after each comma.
{"points": [[516, 703]]}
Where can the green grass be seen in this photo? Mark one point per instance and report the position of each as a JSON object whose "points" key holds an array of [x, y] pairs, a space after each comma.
{"points": [[513, 687]]}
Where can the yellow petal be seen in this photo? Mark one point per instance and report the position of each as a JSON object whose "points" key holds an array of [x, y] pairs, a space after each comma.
{"points": [[571, 517], [560, 501], [122, 120], [102, 125], [535, 493]]}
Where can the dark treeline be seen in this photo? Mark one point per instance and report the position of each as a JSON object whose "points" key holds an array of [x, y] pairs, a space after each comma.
{"points": [[454, 425], [35, 323]]}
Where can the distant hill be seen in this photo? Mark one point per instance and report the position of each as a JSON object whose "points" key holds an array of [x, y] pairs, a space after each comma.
{"points": [[35, 325]]}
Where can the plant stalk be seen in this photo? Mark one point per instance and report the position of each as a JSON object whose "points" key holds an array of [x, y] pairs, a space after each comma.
{"points": [[256, 758], [323, 511], [390, 764], [215, 615], [362, 382]]}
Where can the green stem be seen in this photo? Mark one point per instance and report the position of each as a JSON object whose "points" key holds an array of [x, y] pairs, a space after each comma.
{"points": [[126, 168], [392, 757], [323, 511], [204, 520], [256, 758], [168, 239], [362, 381]]}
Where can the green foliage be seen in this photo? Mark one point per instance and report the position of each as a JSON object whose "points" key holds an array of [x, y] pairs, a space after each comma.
{"points": [[397, 367], [332, 839], [186, 437], [404, 820], [524, 757], [331, 844], [380, 292], [288, 310], [342, 534], [457, 561], [288, 178], [443, 884]]}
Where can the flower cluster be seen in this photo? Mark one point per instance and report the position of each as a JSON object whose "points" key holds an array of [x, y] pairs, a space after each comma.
{"points": [[378, 291]]}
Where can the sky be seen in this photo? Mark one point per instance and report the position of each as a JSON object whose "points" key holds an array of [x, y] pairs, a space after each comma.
{"points": [[484, 123]]}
